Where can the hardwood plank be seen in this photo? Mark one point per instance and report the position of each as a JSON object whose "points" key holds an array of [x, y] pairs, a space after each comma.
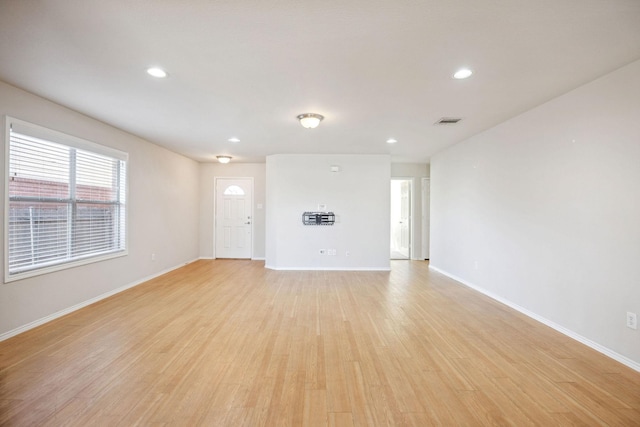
{"points": [[340, 419], [315, 408]]}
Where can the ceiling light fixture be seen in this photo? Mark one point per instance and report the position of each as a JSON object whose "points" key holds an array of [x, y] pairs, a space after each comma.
{"points": [[310, 120], [224, 159], [157, 72], [234, 139], [391, 141], [462, 73]]}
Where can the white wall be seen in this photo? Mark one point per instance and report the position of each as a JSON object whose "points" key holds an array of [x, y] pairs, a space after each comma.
{"points": [[543, 212], [208, 173], [415, 172], [163, 217], [358, 195]]}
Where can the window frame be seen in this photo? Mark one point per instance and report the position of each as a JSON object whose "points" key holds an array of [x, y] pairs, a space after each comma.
{"points": [[37, 131]]}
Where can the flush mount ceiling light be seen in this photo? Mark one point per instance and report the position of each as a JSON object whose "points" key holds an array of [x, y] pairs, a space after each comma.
{"points": [[391, 141], [224, 159], [157, 72], [310, 120], [462, 73], [234, 139]]}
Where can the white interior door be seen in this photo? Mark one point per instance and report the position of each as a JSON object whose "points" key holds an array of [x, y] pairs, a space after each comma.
{"points": [[400, 218], [234, 217]]}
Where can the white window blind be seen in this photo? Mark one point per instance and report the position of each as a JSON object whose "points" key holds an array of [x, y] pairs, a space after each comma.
{"points": [[66, 202]]}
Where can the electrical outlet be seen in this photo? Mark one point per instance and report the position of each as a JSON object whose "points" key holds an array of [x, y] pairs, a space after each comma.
{"points": [[331, 251], [323, 251], [632, 320]]}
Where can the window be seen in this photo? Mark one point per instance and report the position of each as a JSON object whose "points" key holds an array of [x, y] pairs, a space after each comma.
{"points": [[233, 190], [66, 201]]}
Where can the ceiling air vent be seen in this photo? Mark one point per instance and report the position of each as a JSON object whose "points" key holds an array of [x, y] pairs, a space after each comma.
{"points": [[448, 121]]}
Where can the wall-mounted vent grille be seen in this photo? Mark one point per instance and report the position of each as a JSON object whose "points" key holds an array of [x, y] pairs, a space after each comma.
{"points": [[448, 121]]}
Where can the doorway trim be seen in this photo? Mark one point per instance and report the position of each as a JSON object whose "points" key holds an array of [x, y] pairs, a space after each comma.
{"points": [[426, 218]]}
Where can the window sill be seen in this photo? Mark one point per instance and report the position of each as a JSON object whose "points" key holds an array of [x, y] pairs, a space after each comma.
{"points": [[57, 267]]}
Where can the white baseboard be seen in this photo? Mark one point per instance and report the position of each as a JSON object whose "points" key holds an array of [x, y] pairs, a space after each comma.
{"points": [[569, 333], [327, 268], [257, 259], [43, 320]]}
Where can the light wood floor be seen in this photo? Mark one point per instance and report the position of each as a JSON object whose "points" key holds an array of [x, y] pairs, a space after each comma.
{"points": [[230, 343]]}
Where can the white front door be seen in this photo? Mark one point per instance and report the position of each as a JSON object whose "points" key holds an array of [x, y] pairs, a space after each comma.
{"points": [[234, 199]]}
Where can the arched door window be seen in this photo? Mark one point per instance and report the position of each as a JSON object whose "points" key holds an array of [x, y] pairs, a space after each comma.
{"points": [[233, 190]]}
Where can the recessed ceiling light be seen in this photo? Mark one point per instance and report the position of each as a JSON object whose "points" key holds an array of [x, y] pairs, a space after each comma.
{"points": [[391, 141], [234, 139], [157, 72], [462, 73]]}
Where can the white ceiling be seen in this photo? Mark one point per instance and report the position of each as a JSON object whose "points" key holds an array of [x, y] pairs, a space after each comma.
{"points": [[375, 69]]}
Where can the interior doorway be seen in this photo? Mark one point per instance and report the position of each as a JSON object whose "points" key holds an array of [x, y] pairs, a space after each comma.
{"points": [[400, 244], [234, 217]]}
